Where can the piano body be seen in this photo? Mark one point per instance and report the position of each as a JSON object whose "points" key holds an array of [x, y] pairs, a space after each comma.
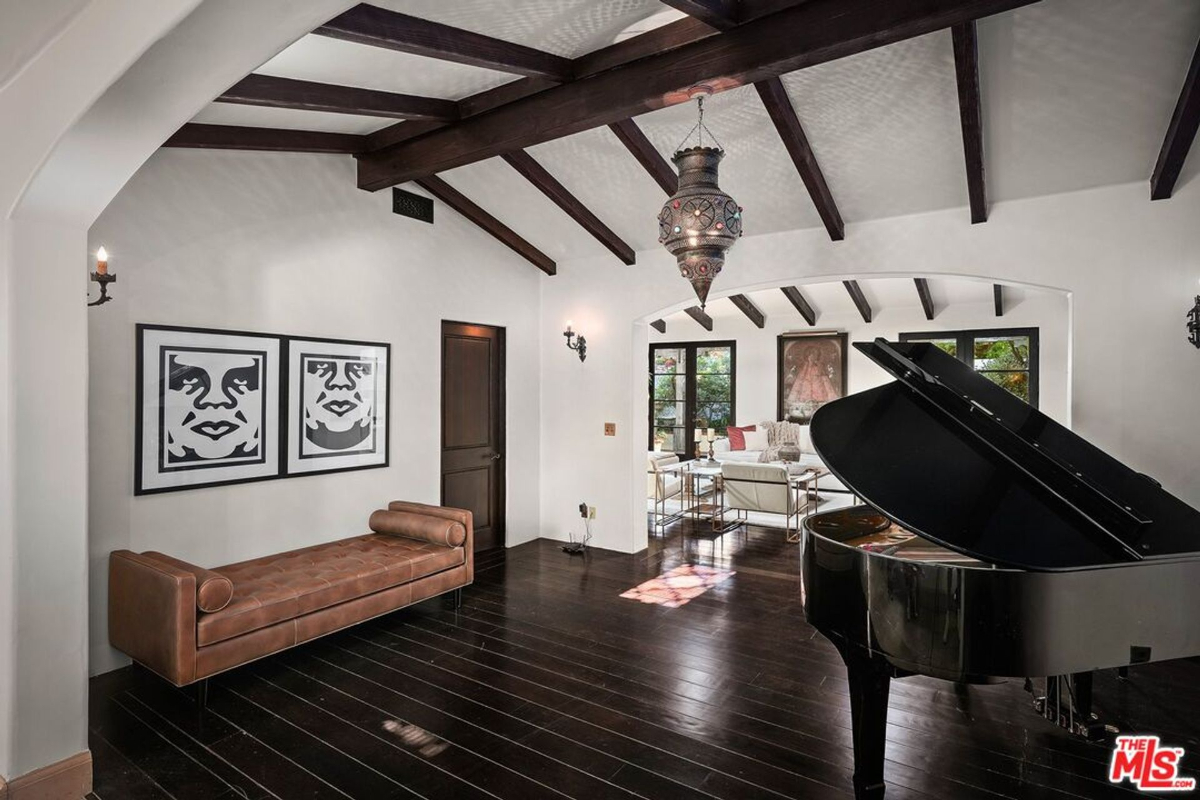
{"points": [[993, 543]]}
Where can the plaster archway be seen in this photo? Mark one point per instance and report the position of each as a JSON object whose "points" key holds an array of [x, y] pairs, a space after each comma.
{"points": [[79, 119]]}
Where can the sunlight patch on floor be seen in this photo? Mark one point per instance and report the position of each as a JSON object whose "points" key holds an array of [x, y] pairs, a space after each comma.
{"points": [[679, 586]]}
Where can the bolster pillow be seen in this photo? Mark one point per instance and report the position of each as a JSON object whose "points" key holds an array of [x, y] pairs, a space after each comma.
{"points": [[213, 590], [419, 526]]}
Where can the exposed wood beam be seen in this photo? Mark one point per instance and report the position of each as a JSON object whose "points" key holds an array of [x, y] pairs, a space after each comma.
{"points": [[1180, 135], [238, 137], [860, 300], [273, 92], [660, 40], [747, 307], [966, 68], [801, 36], [998, 299], [783, 115], [719, 14], [659, 325], [460, 203], [697, 313], [926, 297], [548, 185], [801, 304], [646, 154], [381, 27]]}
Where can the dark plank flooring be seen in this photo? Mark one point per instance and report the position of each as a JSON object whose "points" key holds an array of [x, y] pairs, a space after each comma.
{"points": [[547, 684]]}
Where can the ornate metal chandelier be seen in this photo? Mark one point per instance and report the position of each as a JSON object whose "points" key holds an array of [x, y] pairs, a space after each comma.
{"points": [[700, 222]]}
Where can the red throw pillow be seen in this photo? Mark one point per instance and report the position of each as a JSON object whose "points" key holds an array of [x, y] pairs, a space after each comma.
{"points": [[737, 436]]}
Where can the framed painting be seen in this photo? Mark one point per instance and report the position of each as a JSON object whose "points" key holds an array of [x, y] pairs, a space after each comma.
{"points": [[812, 372], [337, 405], [208, 408]]}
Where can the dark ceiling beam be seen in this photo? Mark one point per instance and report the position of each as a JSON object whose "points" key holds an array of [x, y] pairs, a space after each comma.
{"points": [[810, 33], [697, 313], [239, 137], [659, 325], [798, 300], [998, 299], [660, 40], [970, 109], [779, 107], [719, 14], [273, 92], [548, 185], [1180, 135], [747, 307], [381, 27], [860, 300], [646, 154], [926, 297], [460, 203]]}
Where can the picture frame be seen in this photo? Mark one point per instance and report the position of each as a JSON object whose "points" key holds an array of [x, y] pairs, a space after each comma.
{"points": [[811, 371], [208, 408], [338, 410]]}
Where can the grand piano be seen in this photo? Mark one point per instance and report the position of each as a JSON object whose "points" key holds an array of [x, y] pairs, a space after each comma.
{"points": [[992, 543]]}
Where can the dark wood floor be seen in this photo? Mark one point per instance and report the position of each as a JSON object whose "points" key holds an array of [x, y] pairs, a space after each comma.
{"points": [[548, 684]]}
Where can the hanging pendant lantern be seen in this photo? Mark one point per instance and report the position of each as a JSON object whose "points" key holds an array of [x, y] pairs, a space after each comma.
{"points": [[700, 222]]}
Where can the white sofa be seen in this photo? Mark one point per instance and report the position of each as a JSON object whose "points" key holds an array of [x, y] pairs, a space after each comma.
{"points": [[808, 457]]}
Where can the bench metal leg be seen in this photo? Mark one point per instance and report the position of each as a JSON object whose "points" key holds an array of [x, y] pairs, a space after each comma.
{"points": [[457, 598]]}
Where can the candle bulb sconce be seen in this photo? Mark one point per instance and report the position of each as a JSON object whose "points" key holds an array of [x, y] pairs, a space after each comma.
{"points": [[102, 277], [1193, 325], [576, 342]]}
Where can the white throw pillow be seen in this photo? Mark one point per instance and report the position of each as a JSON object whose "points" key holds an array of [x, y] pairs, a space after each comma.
{"points": [[756, 440], [806, 445]]}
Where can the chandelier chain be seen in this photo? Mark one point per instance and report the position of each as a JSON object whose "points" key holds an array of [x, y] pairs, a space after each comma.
{"points": [[699, 128]]}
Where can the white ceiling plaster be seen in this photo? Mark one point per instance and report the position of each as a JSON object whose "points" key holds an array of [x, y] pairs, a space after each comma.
{"points": [[1076, 93], [255, 116]]}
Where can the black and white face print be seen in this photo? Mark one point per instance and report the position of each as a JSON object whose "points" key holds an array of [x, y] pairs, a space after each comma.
{"points": [[338, 406], [208, 408]]}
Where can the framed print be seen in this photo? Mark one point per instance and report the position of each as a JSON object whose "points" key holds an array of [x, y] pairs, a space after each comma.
{"points": [[208, 408], [337, 405], [812, 371]]}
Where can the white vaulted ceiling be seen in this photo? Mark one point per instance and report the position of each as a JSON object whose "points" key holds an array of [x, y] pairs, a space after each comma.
{"points": [[1076, 94]]}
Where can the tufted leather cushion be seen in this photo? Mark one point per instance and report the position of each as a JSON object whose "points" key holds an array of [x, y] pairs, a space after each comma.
{"points": [[280, 587], [445, 532], [213, 591]]}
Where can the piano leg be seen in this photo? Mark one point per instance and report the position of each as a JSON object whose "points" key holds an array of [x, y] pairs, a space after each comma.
{"points": [[870, 679]]}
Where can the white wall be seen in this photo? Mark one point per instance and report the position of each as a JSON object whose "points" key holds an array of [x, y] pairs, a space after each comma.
{"points": [[287, 244], [757, 348], [1130, 267]]}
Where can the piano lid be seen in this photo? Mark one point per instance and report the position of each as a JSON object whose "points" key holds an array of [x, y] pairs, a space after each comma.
{"points": [[955, 458]]}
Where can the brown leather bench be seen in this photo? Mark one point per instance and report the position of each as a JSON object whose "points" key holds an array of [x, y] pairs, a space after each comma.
{"points": [[188, 623]]}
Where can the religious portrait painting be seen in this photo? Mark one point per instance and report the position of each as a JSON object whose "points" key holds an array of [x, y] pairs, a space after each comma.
{"points": [[337, 405], [208, 407], [812, 372]]}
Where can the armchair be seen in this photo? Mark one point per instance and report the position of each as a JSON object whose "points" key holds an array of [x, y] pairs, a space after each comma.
{"points": [[764, 488]]}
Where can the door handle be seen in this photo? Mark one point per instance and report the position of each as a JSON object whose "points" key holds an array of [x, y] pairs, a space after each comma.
{"points": [[496, 456]]}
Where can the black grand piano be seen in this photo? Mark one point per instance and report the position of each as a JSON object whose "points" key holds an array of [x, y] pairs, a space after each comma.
{"points": [[992, 543]]}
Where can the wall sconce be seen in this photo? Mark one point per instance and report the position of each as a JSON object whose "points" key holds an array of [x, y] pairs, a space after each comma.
{"points": [[102, 277], [575, 342], [1194, 323]]}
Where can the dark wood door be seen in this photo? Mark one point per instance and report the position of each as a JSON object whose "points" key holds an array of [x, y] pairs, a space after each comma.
{"points": [[473, 426]]}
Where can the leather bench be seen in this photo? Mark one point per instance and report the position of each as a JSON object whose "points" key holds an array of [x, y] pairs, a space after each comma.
{"points": [[188, 623]]}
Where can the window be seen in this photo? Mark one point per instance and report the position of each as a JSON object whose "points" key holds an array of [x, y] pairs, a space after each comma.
{"points": [[691, 386], [1008, 358]]}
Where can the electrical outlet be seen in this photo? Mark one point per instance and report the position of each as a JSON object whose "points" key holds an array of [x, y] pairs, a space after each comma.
{"points": [[591, 512], [610, 429]]}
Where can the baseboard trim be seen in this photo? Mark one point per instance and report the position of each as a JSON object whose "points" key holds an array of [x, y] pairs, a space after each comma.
{"points": [[69, 779], [3, 789]]}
